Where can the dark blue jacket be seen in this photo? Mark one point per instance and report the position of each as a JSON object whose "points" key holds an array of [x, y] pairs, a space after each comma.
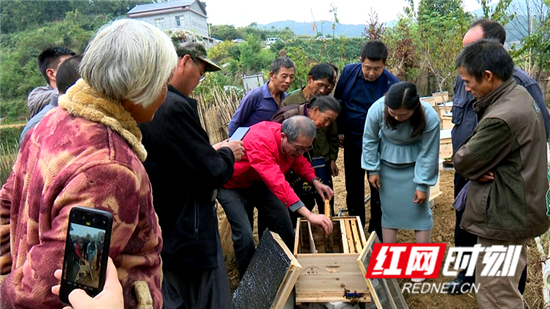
{"points": [[356, 96], [258, 105], [464, 117]]}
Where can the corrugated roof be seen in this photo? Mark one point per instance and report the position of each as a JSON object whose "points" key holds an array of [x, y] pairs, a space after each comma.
{"points": [[159, 6]]}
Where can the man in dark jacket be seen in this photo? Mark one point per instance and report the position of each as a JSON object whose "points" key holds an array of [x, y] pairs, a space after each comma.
{"points": [[359, 86], [185, 172], [465, 121], [505, 161]]}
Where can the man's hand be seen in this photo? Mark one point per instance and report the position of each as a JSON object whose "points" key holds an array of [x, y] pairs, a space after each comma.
{"points": [[334, 168], [236, 147], [420, 197], [489, 176], [217, 146], [341, 140], [375, 181], [324, 191], [315, 219]]}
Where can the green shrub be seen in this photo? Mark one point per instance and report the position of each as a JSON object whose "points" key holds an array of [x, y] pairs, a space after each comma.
{"points": [[14, 111], [8, 154], [9, 134]]}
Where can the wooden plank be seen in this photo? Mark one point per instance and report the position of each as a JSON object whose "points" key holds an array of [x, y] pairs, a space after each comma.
{"points": [[327, 297], [286, 288], [297, 239], [312, 246], [329, 238], [356, 239], [343, 233], [434, 196], [446, 122], [329, 273], [362, 232], [349, 237], [384, 292], [270, 272]]}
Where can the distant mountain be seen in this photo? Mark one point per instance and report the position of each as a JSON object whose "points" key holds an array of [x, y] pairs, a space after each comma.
{"points": [[305, 28], [514, 30]]}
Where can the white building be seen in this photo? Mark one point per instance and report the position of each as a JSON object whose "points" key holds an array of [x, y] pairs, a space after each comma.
{"points": [[183, 14]]}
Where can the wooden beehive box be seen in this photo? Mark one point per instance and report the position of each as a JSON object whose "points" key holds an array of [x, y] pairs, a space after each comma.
{"points": [[445, 144], [430, 100], [446, 122], [327, 276], [435, 191], [439, 98]]}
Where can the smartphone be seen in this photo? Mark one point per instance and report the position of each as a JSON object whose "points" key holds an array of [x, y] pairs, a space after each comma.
{"points": [[86, 251], [239, 134]]}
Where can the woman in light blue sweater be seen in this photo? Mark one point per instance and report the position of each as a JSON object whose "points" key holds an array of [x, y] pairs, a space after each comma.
{"points": [[401, 154]]}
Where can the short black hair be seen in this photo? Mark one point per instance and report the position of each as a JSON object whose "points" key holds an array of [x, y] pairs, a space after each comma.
{"points": [[486, 55], [491, 29], [49, 59], [322, 70], [374, 50], [281, 62], [325, 103], [68, 73]]}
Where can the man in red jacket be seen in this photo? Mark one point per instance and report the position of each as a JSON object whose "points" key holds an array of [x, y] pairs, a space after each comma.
{"points": [[271, 149]]}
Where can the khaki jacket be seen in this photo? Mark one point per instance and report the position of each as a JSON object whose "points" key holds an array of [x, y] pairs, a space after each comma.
{"points": [[509, 141]]}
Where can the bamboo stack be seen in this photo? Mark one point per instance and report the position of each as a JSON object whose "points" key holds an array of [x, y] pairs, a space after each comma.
{"points": [[216, 110]]}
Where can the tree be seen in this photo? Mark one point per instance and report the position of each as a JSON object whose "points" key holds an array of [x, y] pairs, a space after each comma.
{"points": [[531, 26], [374, 30], [496, 12], [21, 15], [442, 25], [402, 41], [224, 32], [253, 58]]}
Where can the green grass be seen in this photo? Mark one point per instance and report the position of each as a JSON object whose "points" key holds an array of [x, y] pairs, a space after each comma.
{"points": [[8, 154]]}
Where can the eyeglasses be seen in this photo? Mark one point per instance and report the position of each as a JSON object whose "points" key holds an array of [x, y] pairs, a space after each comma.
{"points": [[201, 72], [302, 150]]}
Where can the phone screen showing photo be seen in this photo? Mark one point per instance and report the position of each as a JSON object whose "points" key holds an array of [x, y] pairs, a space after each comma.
{"points": [[85, 248]]}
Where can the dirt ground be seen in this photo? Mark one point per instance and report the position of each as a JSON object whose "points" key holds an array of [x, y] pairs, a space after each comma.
{"points": [[443, 232]]}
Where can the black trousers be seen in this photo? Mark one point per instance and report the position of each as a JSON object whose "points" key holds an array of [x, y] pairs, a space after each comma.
{"points": [[464, 238], [197, 288], [355, 187], [311, 199]]}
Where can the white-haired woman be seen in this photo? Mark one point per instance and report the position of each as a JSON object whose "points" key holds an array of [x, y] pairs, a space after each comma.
{"points": [[88, 152]]}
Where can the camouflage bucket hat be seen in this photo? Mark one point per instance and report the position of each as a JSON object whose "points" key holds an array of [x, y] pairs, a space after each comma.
{"points": [[188, 43], [198, 51]]}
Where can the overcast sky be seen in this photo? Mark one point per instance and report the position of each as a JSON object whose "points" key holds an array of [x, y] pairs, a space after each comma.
{"points": [[243, 12]]}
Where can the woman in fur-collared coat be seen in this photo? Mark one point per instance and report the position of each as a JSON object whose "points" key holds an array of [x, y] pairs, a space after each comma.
{"points": [[88, 152]]}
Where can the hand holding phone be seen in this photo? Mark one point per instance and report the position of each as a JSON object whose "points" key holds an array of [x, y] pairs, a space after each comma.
{"points": [[86, 251], [111, 297]]}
